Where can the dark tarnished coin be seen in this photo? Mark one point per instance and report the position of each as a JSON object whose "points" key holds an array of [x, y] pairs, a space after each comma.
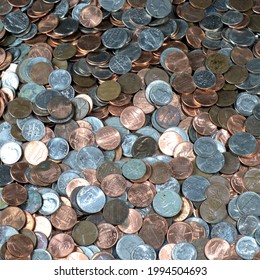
{"points": [[14, 194], [144, 146], [60, 107], [115, 211], [85, 233]]}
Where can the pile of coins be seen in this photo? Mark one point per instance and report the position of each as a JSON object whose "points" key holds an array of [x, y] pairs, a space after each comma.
{"points": [[129, 129]]}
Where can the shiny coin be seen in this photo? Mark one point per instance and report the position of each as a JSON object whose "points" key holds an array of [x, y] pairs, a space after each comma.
{"points": [[143, 252], [246, 247], [184, 251], [59, 79], [10, 153], [242, 143]]}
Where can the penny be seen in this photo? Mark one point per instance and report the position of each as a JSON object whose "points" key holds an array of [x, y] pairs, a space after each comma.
{"points": [[35, 152], [203, 125], [85, 233], [61, 245], [212, 210], [152, 236], [140, 195], [109, 90], [20, 108], [181, 168], [132, 223], [64, 218], [132, 118], [115, 211], [108, 138], [107, 236], [173, 235], [222, 248], [14, 217], [90, 16], [14, 194], [19, 245], [114, 185]]}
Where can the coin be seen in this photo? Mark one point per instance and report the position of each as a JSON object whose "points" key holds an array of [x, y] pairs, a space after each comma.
{"points": [[85, 233], [115, 211]]}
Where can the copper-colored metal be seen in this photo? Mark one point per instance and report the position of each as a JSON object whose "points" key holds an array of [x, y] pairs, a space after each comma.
{"points": [[14, 194], [81, 137], [133, 222], [108, 138], [64, 218], [217, 249], [90, 16], [114, 185], [107, 236], [132, 118], [61, 245], [19, 245], [179, 232]]}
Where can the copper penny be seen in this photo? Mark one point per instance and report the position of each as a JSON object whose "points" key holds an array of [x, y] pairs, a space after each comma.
{"points": [[157, 221], [60, 107], [35, 152], [184, 149], [43, 225], [114, 185], [61, 245], [20, 245], [132, 118], [217, 249], [152, 235], [236, 123], [75, 183], [183, 83], [108, 138], [186, 210], [48, 23], [13, 216], [177, 61], [181, 168], [203, 125], [40, 72], [194, 36], [205, 97], [76, 256], [107, 236], [168, 141], [14, 194], [198, 230], [140, 195], [90, 16], [64, 218], [165, 252], [241, 56], [179, 232], [160, 173], [140, 101], [18, 172], [89, 42], [81, 137], [2, 55], [30, 221], [132, 223]]}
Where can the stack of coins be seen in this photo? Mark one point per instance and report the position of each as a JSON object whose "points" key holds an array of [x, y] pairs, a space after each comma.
{"points": [[129, 129]]}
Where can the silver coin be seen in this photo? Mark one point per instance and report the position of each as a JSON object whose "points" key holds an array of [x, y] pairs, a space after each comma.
{"points": [[133, 51], [245, 103], [225, 231], [33, 130], [150, 39], [150, 132], [246, 247], [232, 17], [204, 78], [205, 147], [257, 235], [30, 91], [61, 9], [127, 144], [248, 224], [42, 240], [81, 107], [167, 203], [126, 244], [242, 38], [71, 160], [10, 80], [91, 199], [58, 148], [33, 202], [211, 165], [233, 210], [182, 27], [95, 123], [41, 255], [59, 79], [159, 93], [51, 203], [211, 22], [143, 252], [249, 203], [242, 143], [158, 9], [256, 111], [253, 66], [172, 184], [68, 92], [120, 64], [180, 131], [115, 38], [16, 22], [90, 157], [10, 153], [194, 188], [42, 99], [112, 5], [184, 251]]}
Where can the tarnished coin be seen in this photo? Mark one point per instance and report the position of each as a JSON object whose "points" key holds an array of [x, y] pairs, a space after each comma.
{"points": [[115, 211], [85, 233]]}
